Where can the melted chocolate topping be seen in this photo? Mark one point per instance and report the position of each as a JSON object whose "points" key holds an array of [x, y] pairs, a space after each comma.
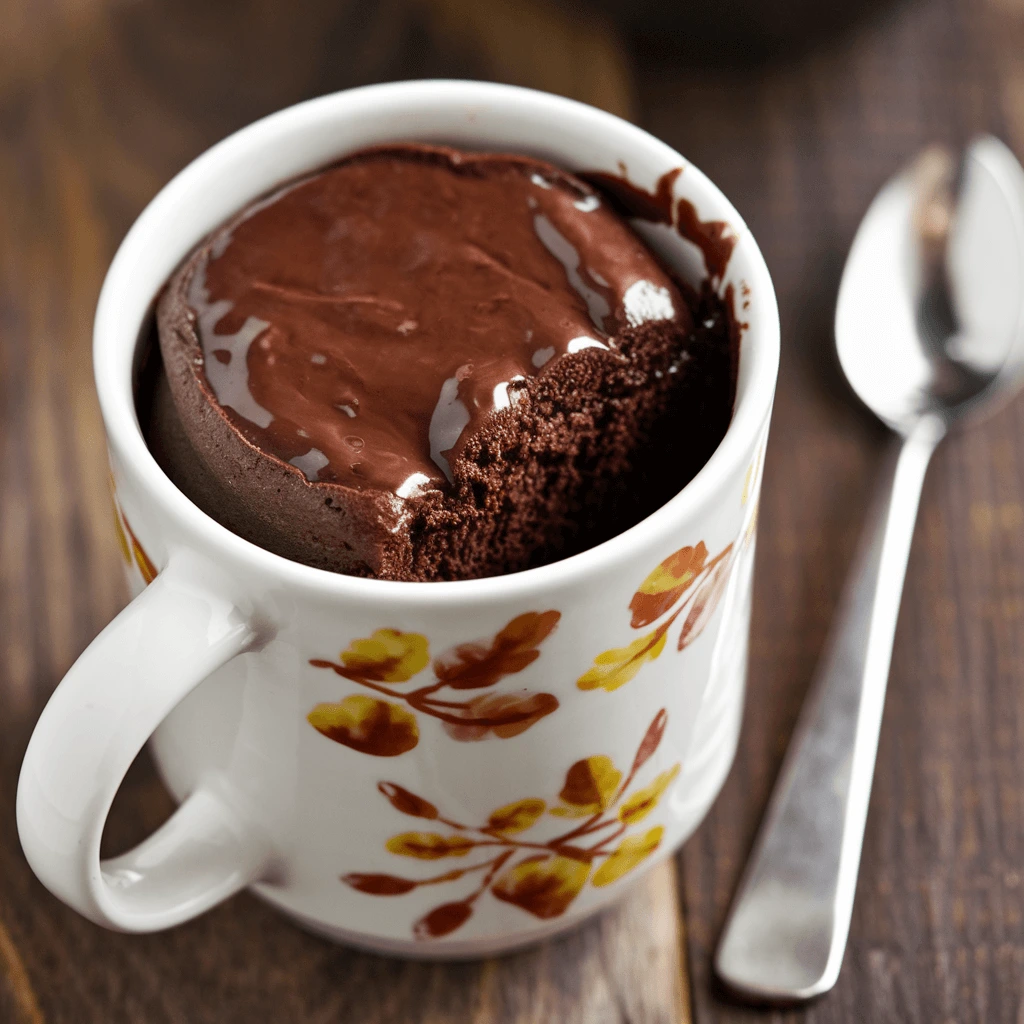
{"points": [[361, 323], [715, 238], [633, 201]]}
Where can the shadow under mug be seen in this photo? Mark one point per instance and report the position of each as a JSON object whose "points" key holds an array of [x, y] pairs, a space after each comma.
{"points": [[433, 769]]}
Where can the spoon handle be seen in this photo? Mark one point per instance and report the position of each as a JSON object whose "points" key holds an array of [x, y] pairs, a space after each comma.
{"points": [[787, 930]]}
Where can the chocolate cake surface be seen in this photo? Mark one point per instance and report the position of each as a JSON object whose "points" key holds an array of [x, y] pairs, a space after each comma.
{"points": [[422, 364]]}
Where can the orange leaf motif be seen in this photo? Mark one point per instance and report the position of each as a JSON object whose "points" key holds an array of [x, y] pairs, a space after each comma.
{"points": [[429, 845], [706, 600], [122, 540], [649, 744], [643, 801], [504, 714], [388, 656], [516, 817], [476, 665], [543, 885], [142, 560], [406, 802], [380, 885], [442, 920], [590, 786], [618, 666], [368, 725], [146, 567], [627, 855], [666, 584]]}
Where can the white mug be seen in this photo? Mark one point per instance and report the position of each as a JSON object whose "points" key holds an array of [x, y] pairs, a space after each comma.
{"points": [[433, 769]]}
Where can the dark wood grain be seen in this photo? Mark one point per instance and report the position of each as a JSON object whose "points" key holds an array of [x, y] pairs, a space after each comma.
{"points": [[801, 145]]}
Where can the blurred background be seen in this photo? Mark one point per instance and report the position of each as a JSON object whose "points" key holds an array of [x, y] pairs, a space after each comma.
{"points": [[798, 110]]}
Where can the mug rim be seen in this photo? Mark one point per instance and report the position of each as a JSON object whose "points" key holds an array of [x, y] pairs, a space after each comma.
{"points": [[116, 341]]}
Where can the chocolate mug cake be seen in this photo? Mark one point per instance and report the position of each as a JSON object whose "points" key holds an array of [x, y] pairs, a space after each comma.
{"points": [[425, 364]]}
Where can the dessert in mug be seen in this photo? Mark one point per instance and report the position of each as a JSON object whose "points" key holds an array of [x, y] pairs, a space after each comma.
{"points": [[413, 364], [426, 364]]}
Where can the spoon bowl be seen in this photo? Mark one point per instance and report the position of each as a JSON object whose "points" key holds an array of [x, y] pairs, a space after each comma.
{"points": [[930, 314]]}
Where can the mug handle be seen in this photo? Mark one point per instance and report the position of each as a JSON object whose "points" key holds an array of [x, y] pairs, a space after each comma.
{"points": [[158, 649]]}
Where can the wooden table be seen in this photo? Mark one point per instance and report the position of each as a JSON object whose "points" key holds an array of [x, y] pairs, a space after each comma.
{"points": [[102, 100]]}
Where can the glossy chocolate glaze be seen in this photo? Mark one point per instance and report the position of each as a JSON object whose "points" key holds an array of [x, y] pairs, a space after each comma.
{"points": [[352, 382], [362, 323], [630, 200], [715, 239]]}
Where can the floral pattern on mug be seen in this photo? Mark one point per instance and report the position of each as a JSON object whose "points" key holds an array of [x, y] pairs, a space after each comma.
{"points": [[541, 877], [685, 581], [132, 551], [688, 580], [390, 658]]}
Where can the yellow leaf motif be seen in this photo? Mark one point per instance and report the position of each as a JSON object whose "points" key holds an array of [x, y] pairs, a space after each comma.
{"points": [[627, 855], [543, 885], [516, 817], [643, 801], [748, 535], [617, 667], [388, 656], [590, 786], [675, 571], [429, 845], [367, 724]]}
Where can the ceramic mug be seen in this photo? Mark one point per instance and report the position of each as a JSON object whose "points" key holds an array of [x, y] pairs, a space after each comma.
{"points": [[435, 769]]}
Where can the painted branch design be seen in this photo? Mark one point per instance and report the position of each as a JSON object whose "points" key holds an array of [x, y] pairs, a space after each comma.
{"points": [[384, 662], [540, 876], [686, 581]]}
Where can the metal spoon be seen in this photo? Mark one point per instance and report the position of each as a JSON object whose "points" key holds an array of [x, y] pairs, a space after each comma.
{"points": [[930, 329]]}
